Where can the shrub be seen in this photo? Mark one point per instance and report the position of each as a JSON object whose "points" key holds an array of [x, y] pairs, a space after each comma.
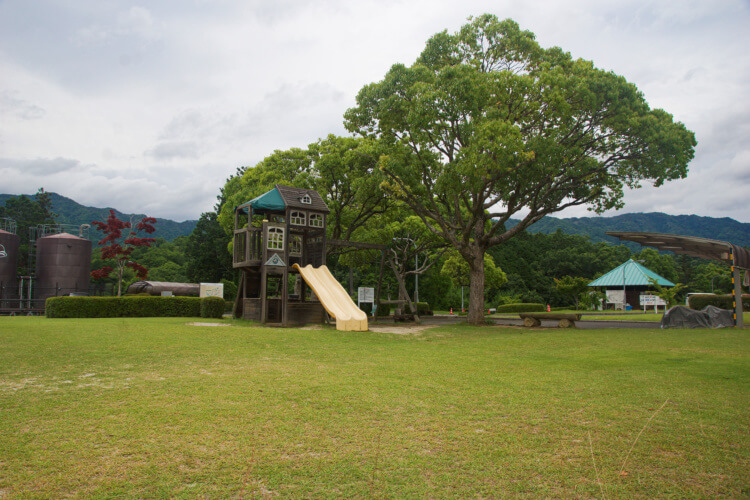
{"points": [[114, 307], [700, 301], [212, 307], [423, 309], [81, 307], [521, 308], [230, 289], [384, 310]]}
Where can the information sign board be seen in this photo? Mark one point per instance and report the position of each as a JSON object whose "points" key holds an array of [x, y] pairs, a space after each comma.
{"points": [[212, 290], [365, 295]]}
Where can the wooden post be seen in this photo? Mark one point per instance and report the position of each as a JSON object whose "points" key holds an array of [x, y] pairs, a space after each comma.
{"points": [[238, 309], [380, 280], [737, 282], [264, 275], [285, 274]]}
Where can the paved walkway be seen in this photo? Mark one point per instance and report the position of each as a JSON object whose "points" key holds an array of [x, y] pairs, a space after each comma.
{"points": [[583, 324]]}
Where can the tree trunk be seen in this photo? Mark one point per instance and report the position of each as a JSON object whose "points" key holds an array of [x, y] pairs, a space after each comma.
{"points": [[476, 290], [402, 291], [119, 279]]}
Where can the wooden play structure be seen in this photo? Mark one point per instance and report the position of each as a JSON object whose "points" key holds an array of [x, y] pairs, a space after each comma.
{"points": [[280, 247]]}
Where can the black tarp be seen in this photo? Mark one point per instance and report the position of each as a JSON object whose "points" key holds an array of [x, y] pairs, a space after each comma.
{"points": [[708, 317]]}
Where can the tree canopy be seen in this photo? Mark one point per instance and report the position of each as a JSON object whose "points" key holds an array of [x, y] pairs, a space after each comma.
{"points": [[207, 258], [486, 124], [344, 170], [118, 250], [27, 212]]}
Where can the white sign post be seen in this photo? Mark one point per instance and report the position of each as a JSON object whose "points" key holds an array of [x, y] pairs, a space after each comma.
{"points": [[365, 295], [652, 300]]}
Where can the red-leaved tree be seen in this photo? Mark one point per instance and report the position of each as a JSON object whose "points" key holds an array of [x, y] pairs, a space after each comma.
{"points": [[120, 253]]}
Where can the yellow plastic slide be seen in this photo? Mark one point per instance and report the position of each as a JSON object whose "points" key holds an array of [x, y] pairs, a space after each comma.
{"points": [[334, 298]]}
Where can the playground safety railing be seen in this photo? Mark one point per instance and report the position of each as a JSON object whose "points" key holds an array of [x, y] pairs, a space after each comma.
{"points": [[248, 246]]}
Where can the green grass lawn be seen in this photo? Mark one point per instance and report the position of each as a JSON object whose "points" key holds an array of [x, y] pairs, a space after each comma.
{"points": [[156, 408], [625, 317], [612, 316], [642, 317]]}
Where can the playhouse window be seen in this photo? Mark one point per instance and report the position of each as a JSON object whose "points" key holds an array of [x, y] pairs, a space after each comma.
{"points": [[316, 220], [276, 238], [295, 245], [298, 218], [306, 200]]}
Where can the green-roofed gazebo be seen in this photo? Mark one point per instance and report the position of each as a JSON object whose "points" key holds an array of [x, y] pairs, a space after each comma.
{"points": [[632, 278]]}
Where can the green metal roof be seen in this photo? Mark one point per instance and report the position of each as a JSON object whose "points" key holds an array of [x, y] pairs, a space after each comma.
{"points": [[281, 197], [267, 201], [630, 273]]}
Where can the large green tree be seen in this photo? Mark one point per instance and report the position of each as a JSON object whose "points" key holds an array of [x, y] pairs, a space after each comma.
{"points": [[487, 124], [207, 258], [344, 170]]}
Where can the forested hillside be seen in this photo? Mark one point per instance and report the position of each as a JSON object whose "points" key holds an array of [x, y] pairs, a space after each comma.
{"points": [[69, 211], [725, 229]]}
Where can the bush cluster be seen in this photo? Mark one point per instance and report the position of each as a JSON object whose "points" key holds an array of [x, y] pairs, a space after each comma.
{"points": [[521, 308], [383, 310], [700, 301], [212, 307], [135, 306], [423, 309]]}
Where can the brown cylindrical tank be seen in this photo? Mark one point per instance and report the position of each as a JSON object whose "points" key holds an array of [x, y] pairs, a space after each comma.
{"points": [[63, 266], [9, 244]]}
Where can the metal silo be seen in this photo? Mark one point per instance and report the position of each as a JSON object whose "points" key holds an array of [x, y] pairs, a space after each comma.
{"points": [[9, 244], [63, 266]]}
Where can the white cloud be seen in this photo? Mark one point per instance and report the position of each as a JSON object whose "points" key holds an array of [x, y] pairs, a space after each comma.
{"points": [[38, 166], [10, 104], [155, 104]]}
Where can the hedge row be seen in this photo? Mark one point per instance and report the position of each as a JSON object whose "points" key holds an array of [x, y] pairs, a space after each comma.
{"points": [[136, 306], [521, 308], [700, 301]]}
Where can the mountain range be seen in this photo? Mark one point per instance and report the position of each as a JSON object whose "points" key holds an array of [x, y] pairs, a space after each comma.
{"points": [[70, 212], [724, 229]]}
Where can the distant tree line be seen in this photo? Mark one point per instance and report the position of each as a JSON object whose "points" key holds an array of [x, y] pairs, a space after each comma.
{"points": [[533, 266]]}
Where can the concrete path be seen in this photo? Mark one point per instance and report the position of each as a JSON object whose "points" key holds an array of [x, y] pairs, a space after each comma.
{"points": [[583, 324]]}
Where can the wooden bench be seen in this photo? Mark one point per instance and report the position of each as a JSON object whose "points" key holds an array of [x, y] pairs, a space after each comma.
{"points": [[565, 320]]}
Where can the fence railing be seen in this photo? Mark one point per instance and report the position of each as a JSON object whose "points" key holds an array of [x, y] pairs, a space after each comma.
{"points": [[248, 246], [17, 298]]}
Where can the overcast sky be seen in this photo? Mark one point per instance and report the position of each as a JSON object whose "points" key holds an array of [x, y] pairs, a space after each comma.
{"points": [[149, 107]]}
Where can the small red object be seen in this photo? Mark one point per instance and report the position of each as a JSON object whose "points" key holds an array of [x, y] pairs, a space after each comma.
{"points": [[548, 309]]}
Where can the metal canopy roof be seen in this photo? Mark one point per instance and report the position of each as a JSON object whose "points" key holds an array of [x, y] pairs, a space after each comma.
{"points": [[631, 274], [281, 197], [690, 245]]}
